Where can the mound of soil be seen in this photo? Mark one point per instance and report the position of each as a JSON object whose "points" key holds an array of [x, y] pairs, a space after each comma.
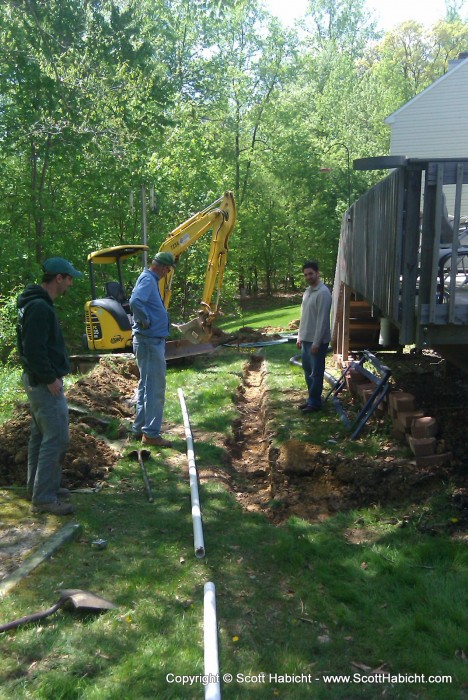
{"points": [[98, 403]]}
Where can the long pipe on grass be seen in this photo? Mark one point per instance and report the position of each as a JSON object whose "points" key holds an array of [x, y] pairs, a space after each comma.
{"points": [[210, 630], [199, 543]]}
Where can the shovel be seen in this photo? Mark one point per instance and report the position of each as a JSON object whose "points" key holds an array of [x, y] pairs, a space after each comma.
{"points": [[141, 456], [71, 597]]}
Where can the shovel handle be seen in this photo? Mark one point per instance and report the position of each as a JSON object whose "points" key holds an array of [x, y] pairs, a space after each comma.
{"points": [[145, 478], [31, 618]]}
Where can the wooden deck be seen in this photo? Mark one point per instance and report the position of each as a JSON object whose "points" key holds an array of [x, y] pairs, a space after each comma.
{"points": [[401, 254]]}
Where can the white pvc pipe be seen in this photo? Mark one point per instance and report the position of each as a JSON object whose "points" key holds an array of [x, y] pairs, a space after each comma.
{"points": [[210, 629], [199, 543]]}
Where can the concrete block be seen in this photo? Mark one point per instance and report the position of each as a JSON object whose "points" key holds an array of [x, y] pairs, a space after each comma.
{"points": [[406, 418], [436, 460], [424, 427], [365, 390], [402, 401], [422, 447], [365, 396], [354, 379], [355, 376], [381, 409]]}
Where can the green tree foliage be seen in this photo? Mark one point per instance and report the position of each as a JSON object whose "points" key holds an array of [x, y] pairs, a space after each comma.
{"points": [[193, 97]]}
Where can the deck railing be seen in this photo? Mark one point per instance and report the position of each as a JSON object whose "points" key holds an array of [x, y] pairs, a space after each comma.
{"points": [[400, 253]]}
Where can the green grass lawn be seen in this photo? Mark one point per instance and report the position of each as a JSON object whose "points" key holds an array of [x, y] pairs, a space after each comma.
{"points": [[297, 600], [279, 316]]}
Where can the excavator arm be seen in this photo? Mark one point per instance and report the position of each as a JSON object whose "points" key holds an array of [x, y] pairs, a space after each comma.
{"points": [[220, 216], [108, 319]]}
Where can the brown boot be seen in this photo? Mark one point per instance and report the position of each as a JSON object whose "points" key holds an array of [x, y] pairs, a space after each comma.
{"points": [[156, 441], [56, 508]]}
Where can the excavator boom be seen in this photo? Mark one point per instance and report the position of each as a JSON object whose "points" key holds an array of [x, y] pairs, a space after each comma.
{"points": [[108, 320], [221, 217]]}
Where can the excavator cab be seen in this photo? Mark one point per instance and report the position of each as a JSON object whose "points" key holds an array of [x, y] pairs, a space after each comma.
{"points": [[108, 319]]}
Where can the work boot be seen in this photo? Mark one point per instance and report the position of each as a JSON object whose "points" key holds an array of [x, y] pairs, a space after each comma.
{"points": [[310, 409], [56, 508], [156, 441]]}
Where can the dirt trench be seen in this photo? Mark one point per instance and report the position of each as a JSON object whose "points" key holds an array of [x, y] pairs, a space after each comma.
{"points": [[312, 482], [249, 447]]}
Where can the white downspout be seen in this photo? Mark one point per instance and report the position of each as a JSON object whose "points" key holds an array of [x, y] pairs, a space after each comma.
{"points": [[199, 543]]}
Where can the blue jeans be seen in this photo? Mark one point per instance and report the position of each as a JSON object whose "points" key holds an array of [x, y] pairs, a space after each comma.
{"points": [[48, 442], [314, 369], [150, 355]]}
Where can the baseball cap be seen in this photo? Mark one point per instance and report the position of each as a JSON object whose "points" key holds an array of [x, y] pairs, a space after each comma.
{"points": [[60, 266], [165, 258]]}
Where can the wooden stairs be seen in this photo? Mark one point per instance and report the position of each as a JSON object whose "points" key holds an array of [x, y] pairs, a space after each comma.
{"points": [[364, 329], [354, 327]]}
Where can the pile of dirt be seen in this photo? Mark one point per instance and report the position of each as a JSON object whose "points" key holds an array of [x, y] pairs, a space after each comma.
{"points": [[99, 403]]}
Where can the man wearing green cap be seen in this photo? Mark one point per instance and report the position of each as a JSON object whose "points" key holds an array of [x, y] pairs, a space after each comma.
{"points": [[150, 330], [45, 362]]}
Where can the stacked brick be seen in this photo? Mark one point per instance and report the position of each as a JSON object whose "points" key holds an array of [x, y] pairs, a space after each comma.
{"points": [[419, 430], [361, 389], [408, 422]]}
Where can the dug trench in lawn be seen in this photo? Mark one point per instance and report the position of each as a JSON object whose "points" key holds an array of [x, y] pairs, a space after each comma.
{"points": [[310, 481]]}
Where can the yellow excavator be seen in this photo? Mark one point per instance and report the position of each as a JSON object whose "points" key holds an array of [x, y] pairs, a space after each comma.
{"points": [[108, 319]]}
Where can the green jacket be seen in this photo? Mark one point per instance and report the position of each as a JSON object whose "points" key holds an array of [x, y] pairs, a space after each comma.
{"points": [[41, 345]]}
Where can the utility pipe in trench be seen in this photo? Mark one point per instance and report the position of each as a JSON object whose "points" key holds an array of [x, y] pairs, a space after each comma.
{"points": [[199, 543]]}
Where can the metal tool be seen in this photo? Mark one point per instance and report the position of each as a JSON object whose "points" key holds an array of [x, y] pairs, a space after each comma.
{"points": [[71, 597], [141, 456]]}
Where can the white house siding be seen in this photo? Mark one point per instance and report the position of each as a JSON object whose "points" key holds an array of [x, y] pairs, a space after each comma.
{"points": [[435, 124]]}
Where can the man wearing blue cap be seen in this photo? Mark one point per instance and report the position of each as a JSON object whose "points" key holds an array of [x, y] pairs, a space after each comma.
{"points": [[45, 362], [150, 330]]}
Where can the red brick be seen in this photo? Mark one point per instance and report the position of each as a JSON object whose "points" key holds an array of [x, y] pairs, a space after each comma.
{"points": [[355, 380], [424, 427], [437, 460], [365, 390], [402, 401], [422, 447], [406, 418], [355, 376]]}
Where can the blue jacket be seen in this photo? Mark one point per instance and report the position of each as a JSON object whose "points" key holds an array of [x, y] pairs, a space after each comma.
{"points": [[150, 317]]}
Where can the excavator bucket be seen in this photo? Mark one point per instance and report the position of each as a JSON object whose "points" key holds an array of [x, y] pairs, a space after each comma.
{"points": [[194, 331], [176, 349]]}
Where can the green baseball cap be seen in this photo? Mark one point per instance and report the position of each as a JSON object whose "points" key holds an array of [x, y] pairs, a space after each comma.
{"points": [[165, 258], [60, 266]]}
